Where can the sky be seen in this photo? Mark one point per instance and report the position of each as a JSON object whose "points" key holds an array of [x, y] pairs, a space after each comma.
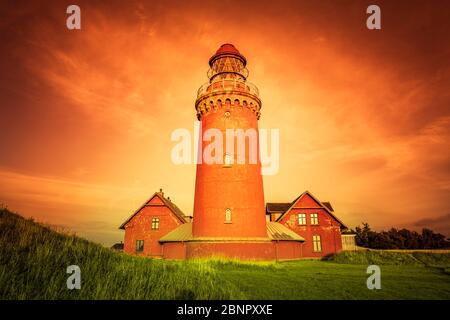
{"points": [[86, 115]]}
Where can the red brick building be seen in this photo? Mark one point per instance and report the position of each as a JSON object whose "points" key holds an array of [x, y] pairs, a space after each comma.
{"points": [[229, 208], [160, 229], [153, 220], [315, 221]]}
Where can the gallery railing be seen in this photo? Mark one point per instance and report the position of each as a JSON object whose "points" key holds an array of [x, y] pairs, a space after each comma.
{"points": [[227, 85]]}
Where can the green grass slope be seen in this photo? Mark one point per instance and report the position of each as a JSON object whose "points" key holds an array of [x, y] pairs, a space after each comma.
{"points": [[34, 258], [380, 257]]}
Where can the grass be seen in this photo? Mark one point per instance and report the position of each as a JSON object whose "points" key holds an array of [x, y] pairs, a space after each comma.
{"points": [[380, 257], [34, 258]]}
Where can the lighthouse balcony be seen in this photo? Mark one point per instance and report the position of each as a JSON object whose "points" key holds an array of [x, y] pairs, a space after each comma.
{"points": [[227, 85]]}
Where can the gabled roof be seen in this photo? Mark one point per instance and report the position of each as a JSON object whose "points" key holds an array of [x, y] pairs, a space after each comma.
{"points": [[181, 233], [272, 207], [321, 204], [173, 207], [168, 203], [277, 207], [275, 231], [328, 205]]}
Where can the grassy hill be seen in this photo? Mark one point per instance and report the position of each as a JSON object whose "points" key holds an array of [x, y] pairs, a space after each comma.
{"points": [[34, 258]]}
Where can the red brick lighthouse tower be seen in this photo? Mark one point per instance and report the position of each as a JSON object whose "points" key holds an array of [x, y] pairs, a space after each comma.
{"points": [[229, 198], [229, 212]]}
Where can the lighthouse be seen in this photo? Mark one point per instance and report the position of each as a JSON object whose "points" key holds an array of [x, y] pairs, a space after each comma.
{"points": [[229, 196], [229, 217]]}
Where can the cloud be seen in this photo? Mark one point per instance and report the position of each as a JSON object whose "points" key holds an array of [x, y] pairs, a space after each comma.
{"points": [[70, 205], [440, 224], [86, 116]]}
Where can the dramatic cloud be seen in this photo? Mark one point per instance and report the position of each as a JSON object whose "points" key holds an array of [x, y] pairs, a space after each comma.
{"points": [[440, 224], [86, 116]]}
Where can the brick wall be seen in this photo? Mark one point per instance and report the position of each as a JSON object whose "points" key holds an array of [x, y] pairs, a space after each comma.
{"points": [[328, 228], [140, 228]]}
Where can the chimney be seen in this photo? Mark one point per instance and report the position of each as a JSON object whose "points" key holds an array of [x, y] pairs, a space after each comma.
{"points": [[161, 192]]}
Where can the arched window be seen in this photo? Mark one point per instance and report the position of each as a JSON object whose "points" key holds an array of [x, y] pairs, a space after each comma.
{"points": [[227, 215], [227, 160]]}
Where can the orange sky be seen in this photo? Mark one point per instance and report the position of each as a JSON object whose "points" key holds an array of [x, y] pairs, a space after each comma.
{"points": [[86, 116]]}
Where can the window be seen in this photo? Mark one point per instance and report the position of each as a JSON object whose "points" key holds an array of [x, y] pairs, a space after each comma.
{"points": [[227, 161], [302, 219], [317, 244], [139, 245], [155, 223], [314, 218], [227, 215]]}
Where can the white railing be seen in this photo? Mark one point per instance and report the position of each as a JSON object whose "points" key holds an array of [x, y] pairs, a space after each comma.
{"points": [[228, 85]]}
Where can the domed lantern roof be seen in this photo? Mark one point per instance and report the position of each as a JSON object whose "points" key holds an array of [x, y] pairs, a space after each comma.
{"points": [[227, 62], [227, 49]]}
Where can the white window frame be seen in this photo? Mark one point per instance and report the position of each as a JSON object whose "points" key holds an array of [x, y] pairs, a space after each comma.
{"points": [[317, 243], [140, 242], [314, 222], [228, 215], [301, 219], [155, 223]]}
